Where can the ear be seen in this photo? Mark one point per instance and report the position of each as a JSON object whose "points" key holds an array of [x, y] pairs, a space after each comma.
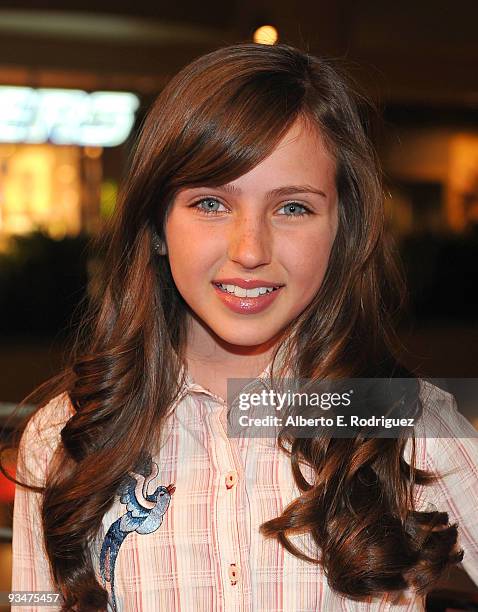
{"points": [[158, 245]]}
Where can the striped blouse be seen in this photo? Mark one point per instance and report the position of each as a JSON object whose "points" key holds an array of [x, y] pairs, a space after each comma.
{"points": [[196, 546]]}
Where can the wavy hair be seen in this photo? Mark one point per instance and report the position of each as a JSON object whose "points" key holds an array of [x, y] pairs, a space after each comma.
{"points": [[214, 121]]}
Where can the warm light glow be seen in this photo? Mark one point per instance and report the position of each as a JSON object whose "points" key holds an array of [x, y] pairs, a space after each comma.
{"points": [[462, 180], [28, 192], [443, 157], [66, 173], [70, 198], [266, 35], [39, 189], [93, 152], [109, 193]]}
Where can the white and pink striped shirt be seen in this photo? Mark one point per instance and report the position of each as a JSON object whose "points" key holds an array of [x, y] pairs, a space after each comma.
{"points": [[207, 554]]}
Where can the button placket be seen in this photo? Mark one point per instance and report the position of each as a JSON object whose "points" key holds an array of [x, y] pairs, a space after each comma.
{"points": [[235, 598]]}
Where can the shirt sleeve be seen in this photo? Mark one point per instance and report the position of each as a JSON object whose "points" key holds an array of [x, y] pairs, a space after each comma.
{"points": [[30, 568], [454, 454]]}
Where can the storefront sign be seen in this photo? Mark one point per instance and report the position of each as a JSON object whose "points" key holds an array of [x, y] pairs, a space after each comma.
{"points": [[66, 116]]}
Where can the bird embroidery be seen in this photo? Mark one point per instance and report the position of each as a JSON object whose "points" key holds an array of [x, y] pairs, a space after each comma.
{"points": [[144, 515]]}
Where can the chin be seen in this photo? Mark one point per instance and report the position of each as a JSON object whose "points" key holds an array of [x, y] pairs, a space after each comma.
{"points": [[244, 337]]}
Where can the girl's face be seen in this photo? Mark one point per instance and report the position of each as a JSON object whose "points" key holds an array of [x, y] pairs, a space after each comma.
{"points": [[248, 230]]}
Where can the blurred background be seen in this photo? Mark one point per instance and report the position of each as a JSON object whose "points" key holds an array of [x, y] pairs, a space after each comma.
{"points": [[76, 79]]}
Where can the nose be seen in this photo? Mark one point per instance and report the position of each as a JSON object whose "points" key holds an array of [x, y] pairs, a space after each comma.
{"points": [[250, 242]]}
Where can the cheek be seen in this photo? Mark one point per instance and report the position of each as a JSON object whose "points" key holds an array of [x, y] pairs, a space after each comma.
{"points": [[308, 264], [182, 241], [192, 253], [187, 238], [179, 237]]}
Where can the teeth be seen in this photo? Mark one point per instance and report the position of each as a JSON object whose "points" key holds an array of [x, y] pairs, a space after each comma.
{"points": [[253, 292], [241, 292]]}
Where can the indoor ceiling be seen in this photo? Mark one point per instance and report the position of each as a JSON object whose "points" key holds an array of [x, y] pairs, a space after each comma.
{"points": [[408, 52]]}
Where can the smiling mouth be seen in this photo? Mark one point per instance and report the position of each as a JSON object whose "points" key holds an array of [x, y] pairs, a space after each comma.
{"points": [[246, 301], [236, 291]]}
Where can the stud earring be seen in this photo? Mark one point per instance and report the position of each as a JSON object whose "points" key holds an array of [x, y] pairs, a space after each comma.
{"points": [[159, 245]]}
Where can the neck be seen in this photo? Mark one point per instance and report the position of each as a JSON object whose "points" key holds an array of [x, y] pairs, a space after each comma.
{"points": [[204, 347]]}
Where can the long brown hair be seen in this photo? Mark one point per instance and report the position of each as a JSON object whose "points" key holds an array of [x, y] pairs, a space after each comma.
{"points": [[214, 121]]}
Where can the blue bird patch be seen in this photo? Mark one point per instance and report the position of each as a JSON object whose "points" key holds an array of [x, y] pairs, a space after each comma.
{"points": [[144, 514]]}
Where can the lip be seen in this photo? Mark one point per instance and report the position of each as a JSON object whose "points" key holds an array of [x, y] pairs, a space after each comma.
{"points": [[247, 305], [246, 283]]}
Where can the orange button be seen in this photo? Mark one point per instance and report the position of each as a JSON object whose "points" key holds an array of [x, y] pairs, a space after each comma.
{"points": [[231, 479], [234, 574]]}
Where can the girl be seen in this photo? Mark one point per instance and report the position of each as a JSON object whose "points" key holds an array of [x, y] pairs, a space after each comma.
{"points": [[249, 240]]}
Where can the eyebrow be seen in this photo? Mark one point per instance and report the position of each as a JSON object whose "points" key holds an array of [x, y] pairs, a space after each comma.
{"points": [[280, 191]]}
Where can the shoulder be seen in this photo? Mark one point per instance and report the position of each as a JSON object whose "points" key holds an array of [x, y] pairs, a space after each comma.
{"points": [[42, 435], [440, 417], [434, 397], [451, 454], [449, 438], [45, 424]]}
